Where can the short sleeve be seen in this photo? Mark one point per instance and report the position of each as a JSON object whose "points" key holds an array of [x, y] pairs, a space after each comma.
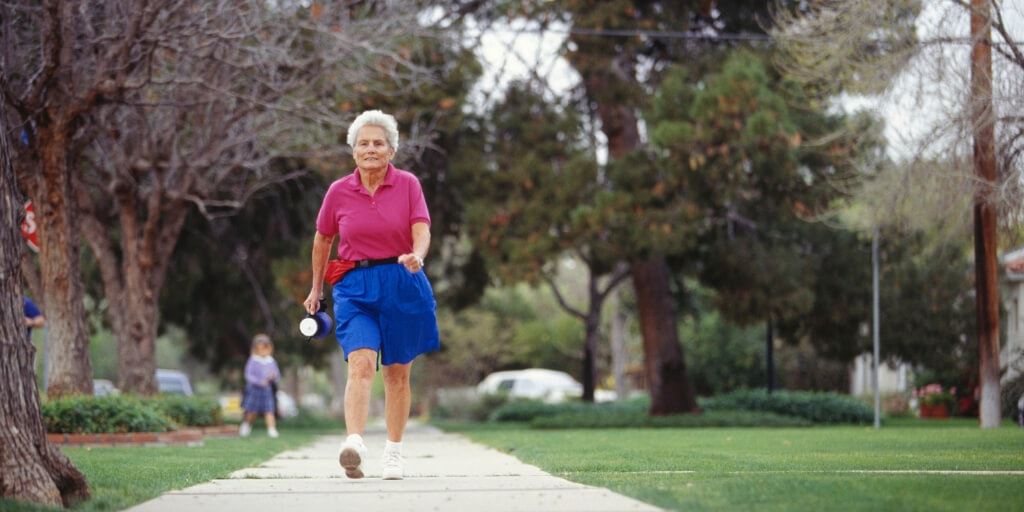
{"points": [[31, 310], [417, 203], [326, 220]]}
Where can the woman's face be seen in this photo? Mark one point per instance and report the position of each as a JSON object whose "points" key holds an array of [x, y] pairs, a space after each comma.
{"points": [[372, 151], [264, 349]]}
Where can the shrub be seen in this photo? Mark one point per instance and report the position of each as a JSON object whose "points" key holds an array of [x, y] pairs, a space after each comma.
{"points": [[190, 411], [92, 415], [817, 407], [599, 417]]}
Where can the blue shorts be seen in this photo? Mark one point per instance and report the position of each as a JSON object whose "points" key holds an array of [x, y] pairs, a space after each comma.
{"points": [[386, 309]]}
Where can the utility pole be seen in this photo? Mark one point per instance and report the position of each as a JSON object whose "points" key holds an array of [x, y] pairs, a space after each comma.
{"points": [[986, 288], [875, 327], [769, 349]]}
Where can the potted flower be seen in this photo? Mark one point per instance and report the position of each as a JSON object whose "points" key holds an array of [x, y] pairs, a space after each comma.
{"points": [[935, 401]]}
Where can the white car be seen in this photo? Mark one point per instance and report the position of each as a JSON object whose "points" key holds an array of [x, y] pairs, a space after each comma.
{"points": [[173, 382], [535, 383], [103, 387]]}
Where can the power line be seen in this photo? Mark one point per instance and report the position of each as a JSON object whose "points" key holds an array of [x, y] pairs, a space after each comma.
{"points": [[664, 34], [693, 36], [625, 33]]}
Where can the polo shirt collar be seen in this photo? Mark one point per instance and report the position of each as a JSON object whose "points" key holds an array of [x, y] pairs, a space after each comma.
{"points": [[390, 177]]}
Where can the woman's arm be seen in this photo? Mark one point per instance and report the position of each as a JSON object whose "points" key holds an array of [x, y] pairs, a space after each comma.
{"points": [[321, 250], [420, 245]]}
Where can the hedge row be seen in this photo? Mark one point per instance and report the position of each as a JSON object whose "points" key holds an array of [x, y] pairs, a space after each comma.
{"points": [[817, 407], [122, 414], [745, 408], [190, 410], [604, 418]]}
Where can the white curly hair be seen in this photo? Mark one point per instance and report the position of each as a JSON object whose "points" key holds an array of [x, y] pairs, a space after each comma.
{"points": [[378, 119]]}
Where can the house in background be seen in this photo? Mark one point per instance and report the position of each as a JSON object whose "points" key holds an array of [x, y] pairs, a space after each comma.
{"points": [[1011, 357], [892, 377]]}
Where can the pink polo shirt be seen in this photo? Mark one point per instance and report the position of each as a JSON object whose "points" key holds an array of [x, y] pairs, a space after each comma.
{"points": [[377, 226]]}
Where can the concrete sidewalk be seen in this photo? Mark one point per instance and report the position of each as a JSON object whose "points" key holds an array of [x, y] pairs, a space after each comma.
{"points": [[443, 472]]}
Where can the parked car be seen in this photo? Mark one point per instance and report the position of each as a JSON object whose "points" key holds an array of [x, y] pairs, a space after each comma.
{"points": [[103, 387], [534, 383], [173, 382]]}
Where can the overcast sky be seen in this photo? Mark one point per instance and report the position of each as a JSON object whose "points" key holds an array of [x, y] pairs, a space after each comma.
{"points": [[911, 108]]}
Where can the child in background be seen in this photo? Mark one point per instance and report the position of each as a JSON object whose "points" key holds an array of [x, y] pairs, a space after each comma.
{"points": [[260, 371]]}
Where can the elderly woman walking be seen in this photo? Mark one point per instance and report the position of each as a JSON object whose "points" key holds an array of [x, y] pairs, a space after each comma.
{"points": [[384, 306]]}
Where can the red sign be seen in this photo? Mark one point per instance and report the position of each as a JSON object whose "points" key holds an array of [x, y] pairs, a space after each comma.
{"points": [[28, 227]]}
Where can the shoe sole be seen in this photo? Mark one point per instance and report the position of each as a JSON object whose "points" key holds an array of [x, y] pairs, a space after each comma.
{"points": [[391, 477], [350, 460]]}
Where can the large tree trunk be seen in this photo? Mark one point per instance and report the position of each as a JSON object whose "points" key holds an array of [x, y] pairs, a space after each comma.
{"points": [[31, 469], [986, 287], [136, 323], [670, 389], [134, 274], [67, 354]]}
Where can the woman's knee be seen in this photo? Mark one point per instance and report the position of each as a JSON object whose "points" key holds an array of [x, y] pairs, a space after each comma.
{"points": [[361, 366], [396, 376]]}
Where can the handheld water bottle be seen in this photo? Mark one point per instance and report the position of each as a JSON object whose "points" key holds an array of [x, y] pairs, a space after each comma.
{"points": [[318, 324]]}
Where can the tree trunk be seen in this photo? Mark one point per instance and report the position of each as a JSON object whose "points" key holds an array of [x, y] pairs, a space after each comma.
{"points": [[31, 469], [67, 343], [986, 286], [592, 325], [769, 352], [617, 337], [133, 277], [136, 323], [670, 389]]}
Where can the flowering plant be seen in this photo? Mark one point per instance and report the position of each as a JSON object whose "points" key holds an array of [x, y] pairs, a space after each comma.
{"points": [[934, 394]]}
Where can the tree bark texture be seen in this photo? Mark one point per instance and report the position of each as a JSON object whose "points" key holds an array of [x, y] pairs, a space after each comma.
{"points": [[985, 215], [67, 340], [31, 469], [669, 387]]}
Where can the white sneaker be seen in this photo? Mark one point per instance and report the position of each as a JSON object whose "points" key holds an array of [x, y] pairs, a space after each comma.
{"points": [[244, 429], [393, 465], [351, 456], [272, 433]]}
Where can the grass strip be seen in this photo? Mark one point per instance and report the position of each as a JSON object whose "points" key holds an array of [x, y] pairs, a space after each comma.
{"points": [[120, 477], [781, 468]]}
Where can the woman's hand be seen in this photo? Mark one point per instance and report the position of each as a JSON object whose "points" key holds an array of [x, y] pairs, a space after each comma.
{"points": [[312, 302], [412, 262]]}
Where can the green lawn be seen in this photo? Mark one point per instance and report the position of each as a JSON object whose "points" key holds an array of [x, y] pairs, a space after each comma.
{"points": [[124, 476], [783, 469]]}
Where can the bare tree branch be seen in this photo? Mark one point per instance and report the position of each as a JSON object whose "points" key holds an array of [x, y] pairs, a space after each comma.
{"points": [[561, 300]]}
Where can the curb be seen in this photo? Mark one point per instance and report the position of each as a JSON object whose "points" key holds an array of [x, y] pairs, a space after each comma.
{"points": [[186, 436]]}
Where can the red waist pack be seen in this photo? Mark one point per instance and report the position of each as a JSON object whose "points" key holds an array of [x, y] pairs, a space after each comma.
{"points": [[336, 269]]}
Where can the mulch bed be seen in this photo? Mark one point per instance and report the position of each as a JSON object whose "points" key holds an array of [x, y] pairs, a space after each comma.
{"points": [[186, 436]]}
